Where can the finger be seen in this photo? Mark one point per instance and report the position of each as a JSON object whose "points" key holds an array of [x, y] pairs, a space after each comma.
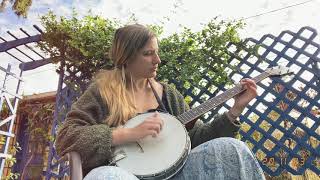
{"points": [[152, 121], [152, 117], [156, 114], [161, 124], [152, 133], [252, 83], [254, 90], [249, 83], [248, 80], [149, 121], [155, 127], [244, 80], [156, 120], [250, 87], [244, 84]]}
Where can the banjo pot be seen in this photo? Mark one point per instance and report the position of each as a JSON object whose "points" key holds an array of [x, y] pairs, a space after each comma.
{"points": [[155, 158]]}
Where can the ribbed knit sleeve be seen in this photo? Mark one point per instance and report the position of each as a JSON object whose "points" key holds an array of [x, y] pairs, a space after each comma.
{"points": [[201, 132], [220, 126], [85, 132]]}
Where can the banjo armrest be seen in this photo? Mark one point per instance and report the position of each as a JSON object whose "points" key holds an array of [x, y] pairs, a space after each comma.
{"points": [[75, 165]]}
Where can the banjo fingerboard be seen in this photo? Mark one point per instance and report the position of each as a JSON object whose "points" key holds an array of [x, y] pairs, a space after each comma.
{"points": [[216, 101]]}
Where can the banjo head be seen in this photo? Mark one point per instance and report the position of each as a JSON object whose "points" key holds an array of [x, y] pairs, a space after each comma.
{"points": [[161, 156]]}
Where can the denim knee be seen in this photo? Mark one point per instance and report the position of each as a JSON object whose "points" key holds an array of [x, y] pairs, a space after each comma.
{"points": [[109, 173], [227, 140], [230, 145]]}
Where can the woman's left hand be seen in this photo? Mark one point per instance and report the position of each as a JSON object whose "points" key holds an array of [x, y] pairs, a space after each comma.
{"points": [[242, 100]]}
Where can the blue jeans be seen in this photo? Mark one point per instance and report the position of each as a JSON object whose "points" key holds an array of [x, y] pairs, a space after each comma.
{"points": [[221, 158]]}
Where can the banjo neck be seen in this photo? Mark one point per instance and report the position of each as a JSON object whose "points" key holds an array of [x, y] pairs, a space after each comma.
{"points": [[194, 113]]}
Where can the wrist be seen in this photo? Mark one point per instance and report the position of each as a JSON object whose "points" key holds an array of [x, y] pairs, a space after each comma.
{"points": [[236, 111], [231, 116], [128, 134], [121, 136]]}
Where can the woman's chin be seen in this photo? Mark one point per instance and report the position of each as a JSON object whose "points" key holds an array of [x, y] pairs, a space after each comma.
{"points": [[152, 75]]}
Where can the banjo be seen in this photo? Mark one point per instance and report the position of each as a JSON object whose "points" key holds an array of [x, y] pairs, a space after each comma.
{"points": [[163, 156]]}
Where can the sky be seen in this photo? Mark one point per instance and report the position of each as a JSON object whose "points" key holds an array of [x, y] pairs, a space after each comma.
{"points": [[261, 17]]}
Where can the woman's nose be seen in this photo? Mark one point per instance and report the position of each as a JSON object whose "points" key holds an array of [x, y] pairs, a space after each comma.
{"points": [[157, 59]]}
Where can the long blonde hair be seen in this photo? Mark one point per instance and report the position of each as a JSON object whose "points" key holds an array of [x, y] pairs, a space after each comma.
{"points": [[112, 84]]}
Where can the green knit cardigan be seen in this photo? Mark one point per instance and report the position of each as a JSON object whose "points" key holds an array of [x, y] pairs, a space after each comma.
{"points": [[85, 132]]}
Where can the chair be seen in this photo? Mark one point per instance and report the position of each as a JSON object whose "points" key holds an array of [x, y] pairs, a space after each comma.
{"points": [[75, 165]]}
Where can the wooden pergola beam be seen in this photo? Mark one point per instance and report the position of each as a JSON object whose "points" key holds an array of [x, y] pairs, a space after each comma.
{"points": [[15, 43], [34, 64]]}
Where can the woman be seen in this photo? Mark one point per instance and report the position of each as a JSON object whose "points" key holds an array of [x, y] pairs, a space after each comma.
{"points": [[92, 127]]}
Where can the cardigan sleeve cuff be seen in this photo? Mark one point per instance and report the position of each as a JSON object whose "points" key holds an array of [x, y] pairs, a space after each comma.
{"points": [[227, 127]]}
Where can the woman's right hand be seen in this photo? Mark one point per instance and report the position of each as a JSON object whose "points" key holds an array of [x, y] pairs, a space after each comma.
{"points": [[150, 126]]}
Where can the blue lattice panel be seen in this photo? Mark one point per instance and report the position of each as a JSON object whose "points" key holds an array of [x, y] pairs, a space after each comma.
{"points": [[282, 124], [75, 84]]}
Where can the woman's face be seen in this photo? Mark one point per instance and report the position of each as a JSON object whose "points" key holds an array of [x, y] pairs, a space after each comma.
{"points": [[145, 63]]}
